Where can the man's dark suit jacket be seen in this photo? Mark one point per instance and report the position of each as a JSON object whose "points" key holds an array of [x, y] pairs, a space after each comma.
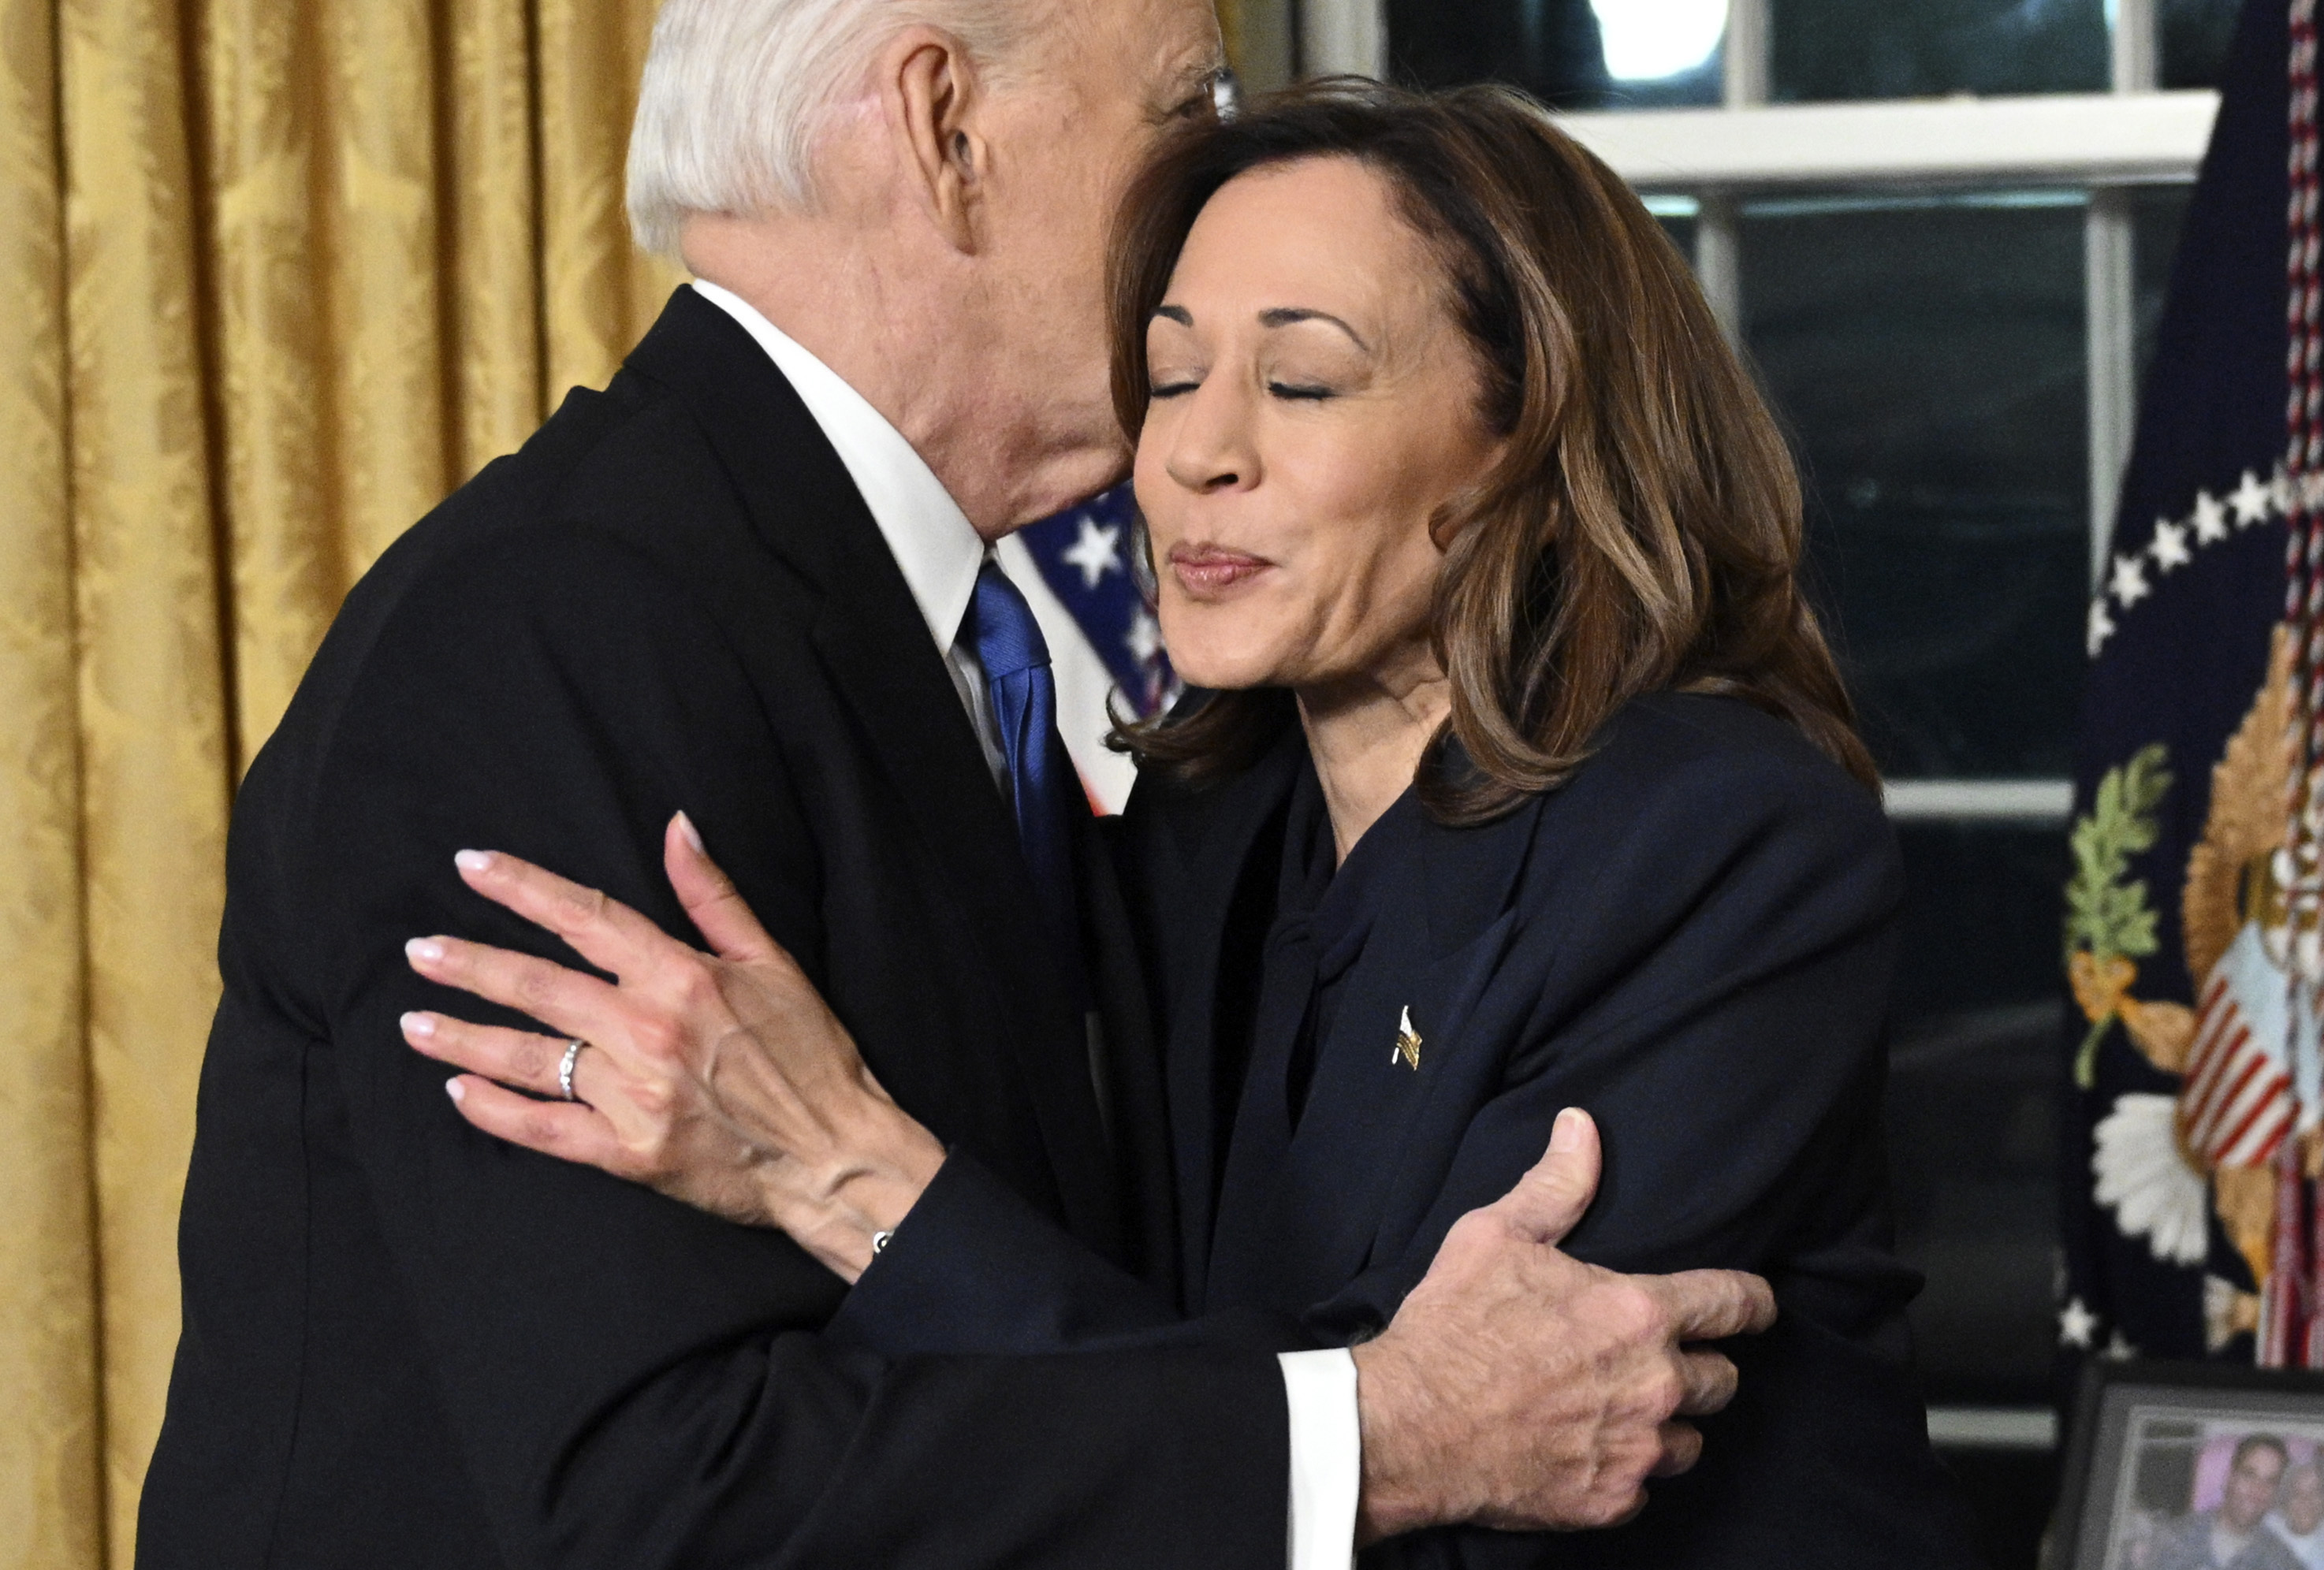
{"points": [[1693, 940], [408, 1344]]}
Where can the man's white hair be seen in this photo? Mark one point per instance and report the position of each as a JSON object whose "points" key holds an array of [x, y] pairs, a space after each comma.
{"points": [[736, 91]]}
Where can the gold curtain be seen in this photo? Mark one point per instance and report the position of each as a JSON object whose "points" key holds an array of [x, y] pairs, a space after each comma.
{"points": [[274, 276]]}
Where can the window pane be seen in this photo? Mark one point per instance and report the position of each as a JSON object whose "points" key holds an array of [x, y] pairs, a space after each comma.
{"points": [[1926, 356], [1577, 54], [1972, 1109], [1981, 922], [1912, 48], [2195, 38]]}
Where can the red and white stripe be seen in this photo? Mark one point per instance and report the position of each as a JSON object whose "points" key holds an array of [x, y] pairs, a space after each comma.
{"points": [[2238, 1107]]}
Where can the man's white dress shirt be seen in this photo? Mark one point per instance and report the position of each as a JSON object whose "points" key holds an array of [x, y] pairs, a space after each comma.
{"points": [[940, 554]]}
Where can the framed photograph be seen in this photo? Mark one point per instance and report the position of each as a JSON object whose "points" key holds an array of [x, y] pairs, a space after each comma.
{"points": [[2194, 1467]]}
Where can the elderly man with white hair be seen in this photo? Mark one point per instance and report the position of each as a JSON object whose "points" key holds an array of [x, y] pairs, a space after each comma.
{"points": [[748, 587]]}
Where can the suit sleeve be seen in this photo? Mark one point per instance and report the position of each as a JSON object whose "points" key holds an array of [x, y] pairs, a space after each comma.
{"points": [[630, 1383]]}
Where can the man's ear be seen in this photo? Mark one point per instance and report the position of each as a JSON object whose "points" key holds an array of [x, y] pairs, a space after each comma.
{"points": [[934, 100]]}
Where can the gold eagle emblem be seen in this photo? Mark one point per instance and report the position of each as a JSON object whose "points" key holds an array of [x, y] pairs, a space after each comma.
{"points": [[2231, 884]]}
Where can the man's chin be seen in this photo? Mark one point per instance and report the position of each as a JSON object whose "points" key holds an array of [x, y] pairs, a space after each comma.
{"points": [[1066, 485]]}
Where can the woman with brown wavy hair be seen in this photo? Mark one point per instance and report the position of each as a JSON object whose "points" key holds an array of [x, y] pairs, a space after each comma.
{"points": [[1516, 778]]}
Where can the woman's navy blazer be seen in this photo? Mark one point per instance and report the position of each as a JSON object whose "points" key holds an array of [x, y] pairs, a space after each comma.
{"points": [[1692, 939]]}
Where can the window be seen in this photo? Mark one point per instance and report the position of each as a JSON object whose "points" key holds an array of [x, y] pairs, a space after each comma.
{"points": [[1941, 229]]}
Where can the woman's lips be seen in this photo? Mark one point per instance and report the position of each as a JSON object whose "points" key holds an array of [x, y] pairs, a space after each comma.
{"points": [[1203, 571]]}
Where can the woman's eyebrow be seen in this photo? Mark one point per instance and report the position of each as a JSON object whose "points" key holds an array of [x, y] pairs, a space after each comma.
{"points": [[1284, 316], [1178, 314]]}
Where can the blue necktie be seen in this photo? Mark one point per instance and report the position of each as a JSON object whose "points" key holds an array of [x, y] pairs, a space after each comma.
{"points": [[1042, 784]]}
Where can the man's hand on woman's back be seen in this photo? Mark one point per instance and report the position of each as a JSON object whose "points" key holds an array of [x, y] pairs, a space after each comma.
{"points": [[1520, 1388]]}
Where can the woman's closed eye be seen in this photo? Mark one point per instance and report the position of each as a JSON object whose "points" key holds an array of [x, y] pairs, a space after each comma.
{"points": [[1173, 386]]}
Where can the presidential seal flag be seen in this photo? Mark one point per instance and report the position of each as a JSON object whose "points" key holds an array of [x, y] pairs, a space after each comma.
{"points": [[2191, 943]]}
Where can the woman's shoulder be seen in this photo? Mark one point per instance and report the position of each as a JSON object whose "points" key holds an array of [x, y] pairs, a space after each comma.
{"points": [[1693, 752], [1685, 790]]}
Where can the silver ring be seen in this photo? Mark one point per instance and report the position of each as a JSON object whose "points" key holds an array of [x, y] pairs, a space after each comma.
{"points": [[879, 1240], [565, 1070]]}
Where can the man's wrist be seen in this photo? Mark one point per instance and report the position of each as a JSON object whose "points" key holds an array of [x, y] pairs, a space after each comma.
{"points": [[1400, 1487]]}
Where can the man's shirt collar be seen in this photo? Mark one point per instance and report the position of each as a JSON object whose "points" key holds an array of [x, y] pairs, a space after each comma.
{"points": [[931, 538]]}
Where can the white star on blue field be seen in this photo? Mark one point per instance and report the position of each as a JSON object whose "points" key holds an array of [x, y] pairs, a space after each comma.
{"points": [[1083, 555]]}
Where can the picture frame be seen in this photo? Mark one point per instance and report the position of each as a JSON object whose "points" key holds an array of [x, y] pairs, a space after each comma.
{"points": [[2156, 1447]]}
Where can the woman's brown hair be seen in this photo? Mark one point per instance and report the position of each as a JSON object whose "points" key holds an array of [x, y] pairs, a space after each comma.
{"points": [[1643, 531]]}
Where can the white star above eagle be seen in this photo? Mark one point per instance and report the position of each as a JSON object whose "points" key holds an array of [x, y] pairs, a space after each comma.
{"points": [[2210, 518], [2170, 548], [2250, 503], [2075, 1324], [2101, 626], [2252, 499]]}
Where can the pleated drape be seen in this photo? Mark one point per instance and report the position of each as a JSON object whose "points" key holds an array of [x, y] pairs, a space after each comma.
{"points": [[152, 694], [274, 276], [50, 1434], [419, 240]]}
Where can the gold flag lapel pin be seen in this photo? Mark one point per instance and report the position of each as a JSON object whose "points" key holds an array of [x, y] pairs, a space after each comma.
{"points": [[1407, 1043]]}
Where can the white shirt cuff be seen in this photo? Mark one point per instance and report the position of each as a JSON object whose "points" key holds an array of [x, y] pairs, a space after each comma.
{"points": [[1327, 1457]]}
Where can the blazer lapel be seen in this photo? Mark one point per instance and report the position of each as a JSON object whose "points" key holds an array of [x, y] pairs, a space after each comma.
{"points": [[876, 647], [1437, 942]]}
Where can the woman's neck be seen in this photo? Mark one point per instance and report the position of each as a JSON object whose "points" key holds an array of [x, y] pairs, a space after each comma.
{"points": [[1366, 736]]}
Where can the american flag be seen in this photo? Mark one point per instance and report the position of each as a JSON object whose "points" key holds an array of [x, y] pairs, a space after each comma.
{"points": [[2238, 1105], [1105, 647]]}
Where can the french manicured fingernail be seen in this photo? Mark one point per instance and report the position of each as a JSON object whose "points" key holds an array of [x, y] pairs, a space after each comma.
{"points": [[693, 835], [455, 1091], [424, 951], [418, 1024], [474, 861], [1565, 1134]]}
